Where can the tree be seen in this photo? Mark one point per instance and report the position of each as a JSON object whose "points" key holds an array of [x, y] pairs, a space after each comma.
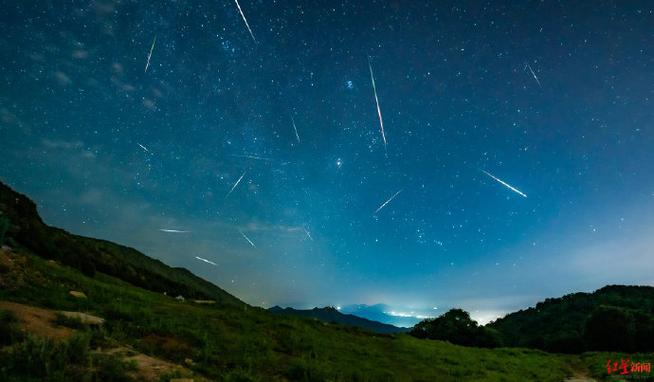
{"points": [[457, 327], [608, 329]]}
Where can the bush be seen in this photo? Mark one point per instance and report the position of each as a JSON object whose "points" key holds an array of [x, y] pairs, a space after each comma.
{"points": [[305, 370], [42, 358], [239, 375], [61, 361], [8, 328], [111, 368], [565, 342], [69, 322]]}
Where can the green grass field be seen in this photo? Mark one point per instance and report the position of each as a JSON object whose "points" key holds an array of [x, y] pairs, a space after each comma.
{"points": [[225, 342]]}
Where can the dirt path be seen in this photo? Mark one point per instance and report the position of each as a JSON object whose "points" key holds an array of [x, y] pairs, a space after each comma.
{"points": [[580, 376], [41, 322], [37, 321], [151, 368]]}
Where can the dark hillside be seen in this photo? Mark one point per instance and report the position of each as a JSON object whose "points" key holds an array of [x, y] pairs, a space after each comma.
{"points": [[90, 255], [616, 317]]}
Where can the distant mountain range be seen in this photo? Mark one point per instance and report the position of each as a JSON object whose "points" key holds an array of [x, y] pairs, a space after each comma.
{"points": [[331, 314], [382, 313]]}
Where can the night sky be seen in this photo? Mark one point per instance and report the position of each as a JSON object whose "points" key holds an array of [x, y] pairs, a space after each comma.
{"points": [[555, 99]]}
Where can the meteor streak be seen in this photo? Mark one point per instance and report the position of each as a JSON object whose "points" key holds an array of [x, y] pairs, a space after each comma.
{"points": [[147, 64], [235, 184], [206, 261], [533, 74], [503, 183], [245, 20], [248, 156], [172, 230], [143, 147], [386, 202], [374, 89], [295, 128], [248, 239]]}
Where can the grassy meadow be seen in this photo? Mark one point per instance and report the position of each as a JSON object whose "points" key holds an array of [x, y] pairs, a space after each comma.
{"points": [[230, 342]]}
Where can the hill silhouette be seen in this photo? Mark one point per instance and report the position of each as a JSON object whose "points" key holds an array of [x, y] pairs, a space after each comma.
{"points": [[331, 314], [90, 255], [613, 318]]}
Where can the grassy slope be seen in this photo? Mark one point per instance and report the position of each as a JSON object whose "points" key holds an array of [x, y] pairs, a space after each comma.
{"points": [[225, 340]]}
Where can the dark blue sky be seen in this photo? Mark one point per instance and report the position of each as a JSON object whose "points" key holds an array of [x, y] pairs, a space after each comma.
{"points": [[457, 95]]}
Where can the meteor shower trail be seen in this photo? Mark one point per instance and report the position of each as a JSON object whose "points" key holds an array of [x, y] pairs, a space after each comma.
{"points": [[245, 20], [297, 136], [235, 184], [374, 89], [387, 201], [248, 156], [248, 239], [147, 64], [533, 75], [206, 261], [503, 183]]}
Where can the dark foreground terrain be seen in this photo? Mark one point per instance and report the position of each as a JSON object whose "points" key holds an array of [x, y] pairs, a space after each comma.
{"points": [[80, 309]]}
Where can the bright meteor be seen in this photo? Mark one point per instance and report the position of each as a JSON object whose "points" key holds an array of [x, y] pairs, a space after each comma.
{"points": [[387, 201], [247, 238], [245, 21], [206, 261], [503, 183], [147, 64], [143, 147], [533, 75], [235, 184], [297, 136], [374, 89]]}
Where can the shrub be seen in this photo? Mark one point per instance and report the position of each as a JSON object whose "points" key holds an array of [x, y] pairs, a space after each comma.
{"points": [[69, 322], [40, 358], [8, 328], [62, 361], [111, 368]]}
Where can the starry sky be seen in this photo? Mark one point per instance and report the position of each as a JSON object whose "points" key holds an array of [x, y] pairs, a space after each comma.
{"points": [[555, 99]]}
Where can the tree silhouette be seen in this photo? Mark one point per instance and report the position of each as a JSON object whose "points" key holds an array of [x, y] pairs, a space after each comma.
{"points": [[457, 327], [608, 329]]}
